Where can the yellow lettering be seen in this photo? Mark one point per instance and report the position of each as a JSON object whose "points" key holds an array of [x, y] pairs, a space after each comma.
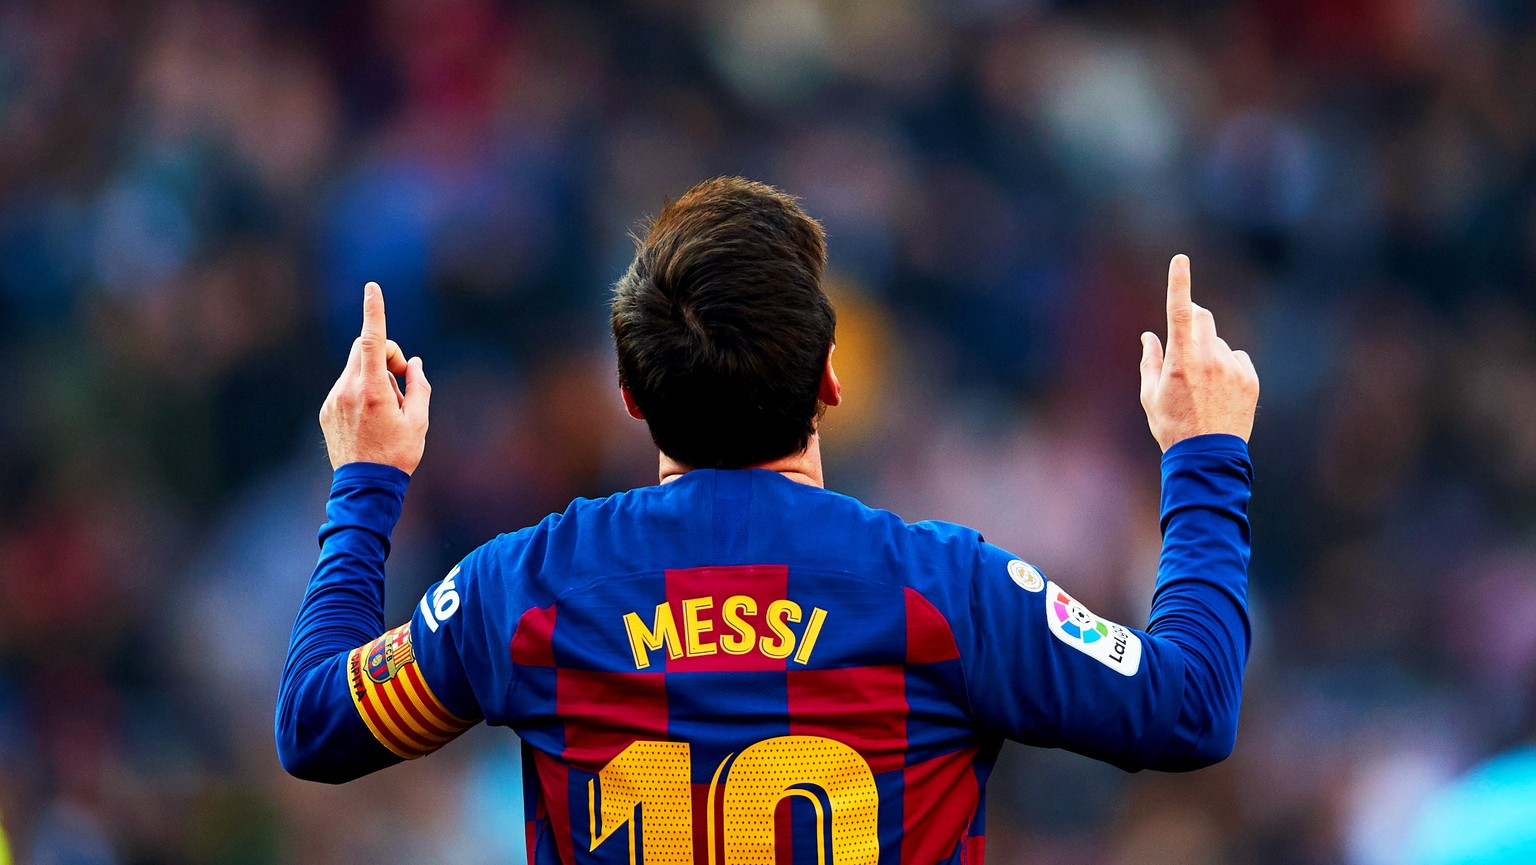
{"points": [[745, 637], [695, 629], [695, 638], [812, 631], [834, 777], [643, 640], [646, 783], [778, 613], [645, 790]]}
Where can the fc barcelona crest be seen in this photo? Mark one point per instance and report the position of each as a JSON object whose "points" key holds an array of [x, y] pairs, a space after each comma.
{"points": [[388, 654]]}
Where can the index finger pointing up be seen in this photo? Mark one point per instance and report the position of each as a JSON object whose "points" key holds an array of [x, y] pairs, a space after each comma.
{"points": [[1181, 311], [374, 338]]}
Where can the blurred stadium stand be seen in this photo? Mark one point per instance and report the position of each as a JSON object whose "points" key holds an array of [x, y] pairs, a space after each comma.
{"points": [[192, 193]]}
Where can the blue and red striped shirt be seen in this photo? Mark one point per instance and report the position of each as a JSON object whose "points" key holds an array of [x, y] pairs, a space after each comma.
{"points": [[734, 667]]}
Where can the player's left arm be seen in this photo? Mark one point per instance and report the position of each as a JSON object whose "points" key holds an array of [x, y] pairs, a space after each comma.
{"points": [[1041, 668], [353, 698]]}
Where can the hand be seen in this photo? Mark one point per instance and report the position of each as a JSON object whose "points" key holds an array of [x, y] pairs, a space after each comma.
{"points": [[366, 417], [1201, 386]]}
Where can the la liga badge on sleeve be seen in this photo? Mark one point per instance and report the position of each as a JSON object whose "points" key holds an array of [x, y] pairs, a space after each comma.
{"points": [[1114, 646]]}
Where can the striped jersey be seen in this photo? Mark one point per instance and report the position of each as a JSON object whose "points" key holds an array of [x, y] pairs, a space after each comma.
{"points": [[734, 667]]}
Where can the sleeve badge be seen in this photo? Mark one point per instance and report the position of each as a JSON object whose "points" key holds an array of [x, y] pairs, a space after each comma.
{"points": [[1025, 575], [394, 700], [1114, 646]]}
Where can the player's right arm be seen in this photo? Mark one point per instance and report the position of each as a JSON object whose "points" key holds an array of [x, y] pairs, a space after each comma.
{"points": [[1040, 668], [354, 698]]}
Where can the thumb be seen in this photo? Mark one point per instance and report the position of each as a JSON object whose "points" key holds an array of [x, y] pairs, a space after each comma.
{"points": [[418, 392], [1151, 363]]}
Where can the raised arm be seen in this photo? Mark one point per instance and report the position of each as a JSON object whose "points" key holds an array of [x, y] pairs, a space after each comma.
{"points": [[1043, 669], [352, 698], [1201, 392]]}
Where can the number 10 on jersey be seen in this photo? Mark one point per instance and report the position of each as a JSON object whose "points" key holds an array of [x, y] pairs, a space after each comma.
{"points": [[651, 781]]}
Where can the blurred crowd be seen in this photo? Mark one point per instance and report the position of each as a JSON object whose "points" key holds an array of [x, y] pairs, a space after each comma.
{"points": [[192, 193]]}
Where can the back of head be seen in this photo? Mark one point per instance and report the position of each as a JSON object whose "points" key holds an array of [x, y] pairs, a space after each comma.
{"points": [[722, 327]]}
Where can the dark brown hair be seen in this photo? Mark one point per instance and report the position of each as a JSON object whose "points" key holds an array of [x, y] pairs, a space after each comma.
{"points": [[722, 327]]}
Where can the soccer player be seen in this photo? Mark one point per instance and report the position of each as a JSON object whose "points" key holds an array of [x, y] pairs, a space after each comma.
{"points": [[737, 665]]}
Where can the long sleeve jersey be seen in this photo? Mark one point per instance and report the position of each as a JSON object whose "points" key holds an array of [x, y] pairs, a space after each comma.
{"points": [[734, 666]]}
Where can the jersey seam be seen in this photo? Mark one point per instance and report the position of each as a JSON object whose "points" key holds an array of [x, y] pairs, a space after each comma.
{"points": [[965, 675], [965, 692], [854, 575]]}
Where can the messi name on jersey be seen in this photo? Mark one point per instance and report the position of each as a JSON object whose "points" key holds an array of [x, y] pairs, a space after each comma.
{"points": [[738, 625]]}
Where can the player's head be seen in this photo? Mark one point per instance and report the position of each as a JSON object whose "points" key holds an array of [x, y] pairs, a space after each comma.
{"points": [[722, 328]]}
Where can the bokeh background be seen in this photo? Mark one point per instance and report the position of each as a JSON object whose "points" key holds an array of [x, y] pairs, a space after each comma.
{"points": [[193, 193]]}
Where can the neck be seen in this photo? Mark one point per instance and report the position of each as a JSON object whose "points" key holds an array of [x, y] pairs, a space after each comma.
{"points": [[803, 467]]}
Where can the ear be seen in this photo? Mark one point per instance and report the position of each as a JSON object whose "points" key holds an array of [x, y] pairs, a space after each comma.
{"points": [[629, 404], [831, 390]]}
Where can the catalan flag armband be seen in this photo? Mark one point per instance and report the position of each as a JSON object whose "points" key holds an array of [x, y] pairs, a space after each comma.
{"points": [[394, 700]]}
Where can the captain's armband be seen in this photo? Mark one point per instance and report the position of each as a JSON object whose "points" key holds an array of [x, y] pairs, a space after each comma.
{"points": [[394, 700]]}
